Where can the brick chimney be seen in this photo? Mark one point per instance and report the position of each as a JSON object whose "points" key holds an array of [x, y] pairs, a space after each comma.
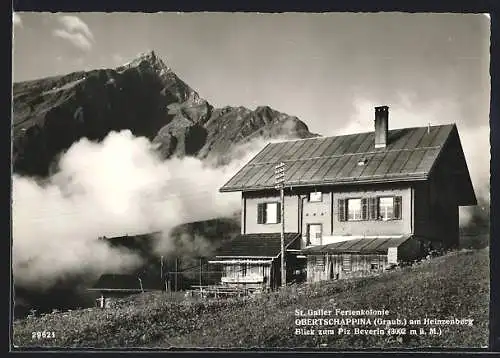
{"points": [[381, 126]]}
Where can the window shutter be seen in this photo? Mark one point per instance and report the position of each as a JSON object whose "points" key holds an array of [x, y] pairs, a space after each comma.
{"points": [[278, 214], [397, 207], [372, 208], [342, 209], [260, 213], [364, 209]]}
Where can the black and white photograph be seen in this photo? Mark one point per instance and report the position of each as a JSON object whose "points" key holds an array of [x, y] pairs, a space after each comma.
{"points": [[265, 181]]}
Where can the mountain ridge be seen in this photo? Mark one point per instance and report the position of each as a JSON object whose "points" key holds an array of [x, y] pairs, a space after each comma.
{"points": [[143, 95]]}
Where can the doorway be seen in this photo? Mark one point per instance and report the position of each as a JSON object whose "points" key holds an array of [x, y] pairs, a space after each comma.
{"points": [[314, 234]]}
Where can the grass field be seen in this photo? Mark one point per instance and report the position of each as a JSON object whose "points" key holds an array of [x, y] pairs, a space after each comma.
{"points": [[452, 286]]}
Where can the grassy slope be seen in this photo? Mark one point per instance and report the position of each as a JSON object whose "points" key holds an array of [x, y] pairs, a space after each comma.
{"points": [[455, 285]]}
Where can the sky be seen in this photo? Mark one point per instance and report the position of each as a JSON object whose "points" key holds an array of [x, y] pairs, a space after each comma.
{"points": [[324, 68]]}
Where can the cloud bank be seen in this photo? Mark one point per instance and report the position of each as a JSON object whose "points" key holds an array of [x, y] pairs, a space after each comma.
{"points": [[116, 187], [76, 31]]}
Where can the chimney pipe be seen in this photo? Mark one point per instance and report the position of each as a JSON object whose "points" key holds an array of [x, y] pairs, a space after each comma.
{"points": [[381, 126]]}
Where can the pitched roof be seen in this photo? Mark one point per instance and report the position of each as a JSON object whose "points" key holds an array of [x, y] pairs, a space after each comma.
{"points": [[409, 155], [377, 245], [257, 245]]}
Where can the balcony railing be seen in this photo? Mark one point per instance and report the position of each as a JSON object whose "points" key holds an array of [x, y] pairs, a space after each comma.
{"points": [[242, 279]]}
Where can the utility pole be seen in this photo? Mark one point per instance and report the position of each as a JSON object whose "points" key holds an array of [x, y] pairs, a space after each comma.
{"points": [[176, 267], [279, 172], [161, 268], [201, 269]]}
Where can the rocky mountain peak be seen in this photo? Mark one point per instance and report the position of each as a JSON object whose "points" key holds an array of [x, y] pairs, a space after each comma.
{"points": [[147, 59], [144, 96]]}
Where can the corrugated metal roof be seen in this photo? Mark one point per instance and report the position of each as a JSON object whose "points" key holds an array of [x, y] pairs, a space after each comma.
{"points": [[409, 155], [257, 245], [377, 245]]}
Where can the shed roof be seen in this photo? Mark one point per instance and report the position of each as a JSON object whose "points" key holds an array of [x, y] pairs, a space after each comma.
{"points": [[409, 155], [376, 245], [257, 245]]}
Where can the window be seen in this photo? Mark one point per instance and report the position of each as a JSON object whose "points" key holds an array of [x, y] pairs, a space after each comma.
{"points": [[314, 234], [269, 213], [386, 208], [353, 209], [362, 162], [373, 208], [272, 213], [315, 197]]}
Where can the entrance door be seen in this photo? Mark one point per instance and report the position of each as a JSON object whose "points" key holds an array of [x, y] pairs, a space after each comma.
{"points": [[335, 268], [314, 233]]}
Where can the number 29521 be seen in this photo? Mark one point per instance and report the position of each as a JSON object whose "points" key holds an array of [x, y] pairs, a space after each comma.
{"points": [[43, 335]]}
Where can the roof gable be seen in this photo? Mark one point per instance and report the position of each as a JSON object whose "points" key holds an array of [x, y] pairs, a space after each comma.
{"points": [[451, 166], [409, 155]]}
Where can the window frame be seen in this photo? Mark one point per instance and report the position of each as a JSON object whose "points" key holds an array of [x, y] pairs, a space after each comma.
{"points": [[264, 217], [370, 208], [360, 208], [380, 211], [268, 209], [397, 207], [315, 201], [308, 240]]}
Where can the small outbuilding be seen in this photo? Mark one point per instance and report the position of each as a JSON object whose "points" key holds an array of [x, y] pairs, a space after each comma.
{"points": [[253, 261], [360, 256]]}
